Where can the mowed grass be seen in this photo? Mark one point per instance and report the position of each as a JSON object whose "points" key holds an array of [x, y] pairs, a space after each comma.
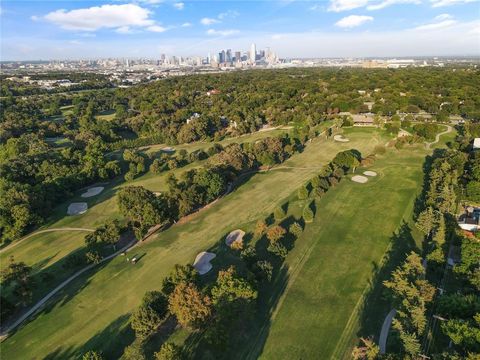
{"points": [[92, 312], [332, 263], [45, 253]]}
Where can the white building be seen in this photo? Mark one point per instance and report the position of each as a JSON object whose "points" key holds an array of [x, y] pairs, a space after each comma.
{"points": [[253, 53], [476, 144]]}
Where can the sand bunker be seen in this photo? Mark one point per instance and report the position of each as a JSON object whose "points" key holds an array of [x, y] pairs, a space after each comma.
{"points": [[370, 173], [340, 138], [235, 235], [360, 179], [202, 262], [93, 191], [168, 149], [77, 208]]}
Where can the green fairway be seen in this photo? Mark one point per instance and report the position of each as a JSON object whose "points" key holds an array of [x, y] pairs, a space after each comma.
{"points": [[93, 310], [45, 253], [333, 262]]}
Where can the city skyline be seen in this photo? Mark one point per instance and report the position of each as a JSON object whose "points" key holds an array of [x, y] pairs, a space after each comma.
{"points": [[147, 28]]}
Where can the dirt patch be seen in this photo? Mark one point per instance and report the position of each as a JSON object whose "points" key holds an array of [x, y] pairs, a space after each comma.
{"points": [[235, 235], [359, 179], [202, 262], [340, 138], [370, 173], [77, 208], [93, 191]]}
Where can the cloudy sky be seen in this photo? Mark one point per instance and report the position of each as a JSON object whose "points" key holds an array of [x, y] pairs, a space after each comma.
{"points": [[148, 28]]}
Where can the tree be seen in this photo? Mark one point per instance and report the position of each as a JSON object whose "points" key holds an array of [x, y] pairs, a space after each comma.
{"points": [[143, 208], [303, 193], [411, 294], [151, 313], [426, 221], [369, 350], [230, 288], [134, 351], [275, 233], [260, 228], [92, 355], [295, 229], [18, 274], [169, 351], [180, 273], [190, 307], [279, 213], [308, 214], [93, 257]]}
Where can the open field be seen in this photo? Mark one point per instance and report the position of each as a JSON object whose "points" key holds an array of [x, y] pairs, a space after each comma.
{"points": [[332, 263], [106, 115], [93, 311]]}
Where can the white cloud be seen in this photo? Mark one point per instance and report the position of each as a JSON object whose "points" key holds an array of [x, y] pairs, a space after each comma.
{"points": [[386, 3], [105, 16], [124, 30], [208, 21], [186, 24], [353, 21], [156, 28], [228, 14], [345, 5], [222, 32], [441, 21], [443, 17], [179, 5], [151, 2], [34, 18], [441, 3]]}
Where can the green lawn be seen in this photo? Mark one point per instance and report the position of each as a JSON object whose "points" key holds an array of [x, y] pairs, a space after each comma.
{"points": [[332, 263], [93, 311], [45, 252]]}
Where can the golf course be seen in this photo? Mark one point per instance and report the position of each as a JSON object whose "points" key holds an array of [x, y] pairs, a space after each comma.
{"points": [[326, 274]]}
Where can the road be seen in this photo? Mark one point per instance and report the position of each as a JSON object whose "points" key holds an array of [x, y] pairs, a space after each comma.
{"points": [[382, 342]]}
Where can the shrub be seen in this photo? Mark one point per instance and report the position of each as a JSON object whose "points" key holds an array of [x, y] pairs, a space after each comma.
{"points": [[169, 351], [279, 213], [93, 257], [92, 355], [303, 193], [249, 255], [308, 214], [278, 249], [237, 245], [295, 229]]}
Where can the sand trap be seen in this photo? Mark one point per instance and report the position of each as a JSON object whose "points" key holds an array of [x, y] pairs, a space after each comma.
{"points": [[77, 208], [93, 191], [360, 179], [168, 149], [340, 138], [370, 173], [202, 262], [235, 235]]}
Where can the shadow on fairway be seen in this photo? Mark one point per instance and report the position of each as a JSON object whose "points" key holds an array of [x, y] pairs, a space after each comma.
{"points": [[377, 303], [114, 338]]}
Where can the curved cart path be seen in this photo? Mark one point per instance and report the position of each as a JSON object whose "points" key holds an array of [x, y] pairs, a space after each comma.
{"points": [[5, 332], [382, 343], [437, 137], [15, 243]]}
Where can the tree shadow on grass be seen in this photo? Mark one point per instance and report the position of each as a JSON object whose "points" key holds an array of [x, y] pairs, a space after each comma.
{"points": [[377, 303]]}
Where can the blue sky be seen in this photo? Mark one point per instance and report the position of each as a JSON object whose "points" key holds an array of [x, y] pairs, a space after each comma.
{"points": [[328, 28]]}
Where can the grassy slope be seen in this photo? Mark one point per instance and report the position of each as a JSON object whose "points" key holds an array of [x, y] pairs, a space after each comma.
{"points": [[96, 305], [46, 252], [317, 317]]}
